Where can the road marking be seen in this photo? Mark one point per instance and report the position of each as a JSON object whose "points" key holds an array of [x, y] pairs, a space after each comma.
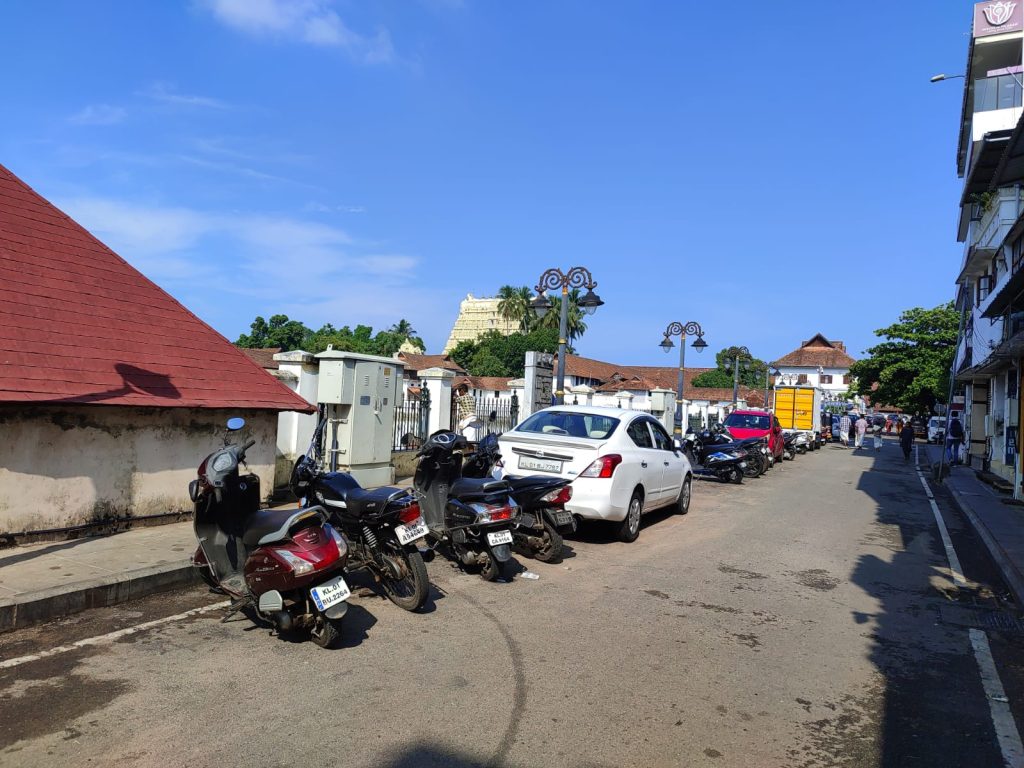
{"points": [[1002, 718], [111, 636], [954, 561]]}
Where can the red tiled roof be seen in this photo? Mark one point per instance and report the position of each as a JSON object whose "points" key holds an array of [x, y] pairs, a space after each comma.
{"points": [[493, 383], [415, 362], [817, 351], [78, 324], [264, 357]]}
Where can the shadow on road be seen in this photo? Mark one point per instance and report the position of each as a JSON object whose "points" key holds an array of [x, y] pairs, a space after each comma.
{"points": [[934, 710]]}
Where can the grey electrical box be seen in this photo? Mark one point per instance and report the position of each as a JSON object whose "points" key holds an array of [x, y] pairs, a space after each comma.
{"points": [[361, 393]]}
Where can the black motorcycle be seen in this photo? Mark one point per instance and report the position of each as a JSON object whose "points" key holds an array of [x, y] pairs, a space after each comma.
{"points": [[724, 462], [382, 526], [544, 519], [754, 448], [471, 517]]}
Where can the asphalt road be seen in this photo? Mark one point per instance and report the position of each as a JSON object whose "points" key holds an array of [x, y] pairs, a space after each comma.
{"points": [[806, 618]]}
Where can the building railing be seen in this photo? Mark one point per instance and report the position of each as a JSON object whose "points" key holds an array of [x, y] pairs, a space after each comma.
{"points": [[412, 418], [498, 414]]}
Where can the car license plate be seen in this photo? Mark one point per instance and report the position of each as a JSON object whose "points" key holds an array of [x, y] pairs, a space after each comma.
{"points": [[411, 532], [330, 593], [499, 537], [544, 465]]}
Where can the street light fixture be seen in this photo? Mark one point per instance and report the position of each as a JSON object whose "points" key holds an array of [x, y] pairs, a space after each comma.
{"points": [[552, 279], [739, 354], [940, 77], [682, 330]]}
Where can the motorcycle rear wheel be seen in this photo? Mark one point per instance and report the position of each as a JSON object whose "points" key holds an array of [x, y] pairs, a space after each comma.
{"points": [[550, 550], [755, 465], [326, 632], [736, 476], [410, 592], [492, 569]]}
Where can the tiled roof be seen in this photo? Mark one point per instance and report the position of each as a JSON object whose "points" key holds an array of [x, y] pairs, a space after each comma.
{"points": [[817, 351], [493, 383], [264, 357], [415, 363], [78, 324]]}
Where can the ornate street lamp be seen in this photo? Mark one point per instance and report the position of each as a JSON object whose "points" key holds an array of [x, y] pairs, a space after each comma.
{"points": [[682, 330], [552, 279]]}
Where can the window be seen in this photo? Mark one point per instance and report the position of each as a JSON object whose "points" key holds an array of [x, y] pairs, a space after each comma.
{"points": [[1002, 92], [826, 378], [1016, 253], [661, 439], [747, 421], [846, 379], [585, 425], [984, 285], [639, 434], [801, 378]]}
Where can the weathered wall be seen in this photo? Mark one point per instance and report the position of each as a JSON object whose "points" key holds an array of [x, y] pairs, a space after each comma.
{"points": [[73, 464]]}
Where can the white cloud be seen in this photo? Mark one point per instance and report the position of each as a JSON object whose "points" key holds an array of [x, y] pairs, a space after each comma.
{"points": [[168, 94], [99, 114], [307, 21]]}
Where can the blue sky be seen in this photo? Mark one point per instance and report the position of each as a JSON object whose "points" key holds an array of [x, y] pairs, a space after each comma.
{"points": [[770, 170]]}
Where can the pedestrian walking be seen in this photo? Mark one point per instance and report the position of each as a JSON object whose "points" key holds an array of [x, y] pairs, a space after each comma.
{"points": [[844, 430], [465, 410], [954, 439], [878, 424], [861, 428], [907, 439]]}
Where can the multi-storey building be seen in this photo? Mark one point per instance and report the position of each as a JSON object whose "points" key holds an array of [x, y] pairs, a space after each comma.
{"points": [[819, 362], [990, 285]]}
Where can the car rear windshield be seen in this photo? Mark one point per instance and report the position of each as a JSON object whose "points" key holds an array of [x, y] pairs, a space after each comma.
{"points": [[746, 421], [586, 425]]}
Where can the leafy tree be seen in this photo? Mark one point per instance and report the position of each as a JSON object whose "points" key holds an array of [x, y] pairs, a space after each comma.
{"points": [[515, 305], [575, 325], [278, 332], [403, 330], [495, 354], [722, 376], [911, 366]]}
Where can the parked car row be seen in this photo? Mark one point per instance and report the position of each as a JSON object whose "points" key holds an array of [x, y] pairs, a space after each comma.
{"points": [[527, 489]]}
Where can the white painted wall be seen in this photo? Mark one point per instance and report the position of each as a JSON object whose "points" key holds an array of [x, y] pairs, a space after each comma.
{"points": [[72, 464], [814, 378]]}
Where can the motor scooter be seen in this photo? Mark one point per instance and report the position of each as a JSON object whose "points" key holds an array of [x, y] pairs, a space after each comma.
{"points": [[544, 519], [284, 566], [721, 461], [471, 517]]}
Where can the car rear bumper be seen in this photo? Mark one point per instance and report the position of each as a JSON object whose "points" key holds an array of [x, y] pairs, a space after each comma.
{"points": [[595, 500]]}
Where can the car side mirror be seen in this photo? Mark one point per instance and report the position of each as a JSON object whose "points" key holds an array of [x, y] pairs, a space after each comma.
{"points": [[677, 444]]}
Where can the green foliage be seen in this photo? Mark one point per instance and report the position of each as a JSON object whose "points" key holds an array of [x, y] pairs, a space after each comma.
{"points": [[574, 324], [514, 305], [721, 377], [495, 354], [911, 366], [292, 334]]}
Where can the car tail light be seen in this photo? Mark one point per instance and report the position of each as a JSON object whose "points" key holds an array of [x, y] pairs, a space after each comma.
{"points": [[410, 514], [558, 496], [602, 467]]}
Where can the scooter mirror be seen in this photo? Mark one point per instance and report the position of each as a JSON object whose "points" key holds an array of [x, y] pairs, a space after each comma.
{"points": [[235, 424]]}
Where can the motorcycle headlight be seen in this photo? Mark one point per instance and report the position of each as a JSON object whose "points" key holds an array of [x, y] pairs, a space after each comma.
{"points": [[223, 462]]}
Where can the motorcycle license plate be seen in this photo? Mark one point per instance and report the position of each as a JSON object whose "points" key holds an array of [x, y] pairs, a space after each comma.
{"points": [[330, 593], [499, 537], [563, 518], [743, 465], [411, 532]]}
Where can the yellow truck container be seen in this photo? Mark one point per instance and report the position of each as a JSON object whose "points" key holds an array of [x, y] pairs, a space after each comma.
{"points": [[799, 409]]}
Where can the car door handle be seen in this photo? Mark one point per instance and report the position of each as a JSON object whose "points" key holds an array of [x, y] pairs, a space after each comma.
{"points": [[643, 464], [666, 463]]}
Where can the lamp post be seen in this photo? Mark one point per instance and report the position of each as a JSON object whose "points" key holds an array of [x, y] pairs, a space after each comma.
{"points": [[770, 371], [739, 353], [682, 330], [577, 277]]}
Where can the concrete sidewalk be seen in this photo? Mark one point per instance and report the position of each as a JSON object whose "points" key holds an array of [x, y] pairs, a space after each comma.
{"points": [[999, 524], [40, 582]]}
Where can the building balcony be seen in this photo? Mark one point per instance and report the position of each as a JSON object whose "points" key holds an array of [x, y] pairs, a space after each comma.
{"points": [[987, 233]]}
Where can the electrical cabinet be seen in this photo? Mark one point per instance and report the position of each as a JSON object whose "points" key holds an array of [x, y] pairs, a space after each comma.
{"points": [[360, 393]]}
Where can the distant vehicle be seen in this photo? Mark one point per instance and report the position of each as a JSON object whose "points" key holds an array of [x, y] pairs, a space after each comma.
{"points": [[920, 425], [748, 423], [622, 463], [936, 429], [797, 410]]}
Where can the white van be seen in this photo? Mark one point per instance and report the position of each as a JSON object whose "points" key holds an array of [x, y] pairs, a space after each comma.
{"points": [[936, 429]]}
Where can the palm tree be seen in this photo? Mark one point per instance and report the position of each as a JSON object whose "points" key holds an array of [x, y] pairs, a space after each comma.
{"points": [[403, 328], [552, 318], [514, 305]]}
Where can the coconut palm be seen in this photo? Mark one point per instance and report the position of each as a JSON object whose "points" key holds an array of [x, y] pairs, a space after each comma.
{"points": [[575, 325], [403, 328], [514, 305]]}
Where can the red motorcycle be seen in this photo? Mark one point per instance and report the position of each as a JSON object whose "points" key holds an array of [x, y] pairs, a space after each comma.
{"points": [[283, 566]]}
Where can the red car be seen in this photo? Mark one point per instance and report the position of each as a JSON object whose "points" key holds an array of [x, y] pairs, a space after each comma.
{"points": [[744, 424]]}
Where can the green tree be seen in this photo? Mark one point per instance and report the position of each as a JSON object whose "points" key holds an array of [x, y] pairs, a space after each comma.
{"points": [[575, 325], [515, 305], [752, 375], [910, 368], [405, 332], [279, 331], [495, 354]]}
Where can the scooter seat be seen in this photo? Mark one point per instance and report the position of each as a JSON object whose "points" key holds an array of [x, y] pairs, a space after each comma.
{"points": [[472, 488], [360, 502], [270, 525]]}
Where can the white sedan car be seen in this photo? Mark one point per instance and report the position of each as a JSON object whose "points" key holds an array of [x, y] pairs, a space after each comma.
{"points": [[622, 463]]}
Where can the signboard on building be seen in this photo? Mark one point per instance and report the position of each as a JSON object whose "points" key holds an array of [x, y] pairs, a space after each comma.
{"points": [[997, 17]]}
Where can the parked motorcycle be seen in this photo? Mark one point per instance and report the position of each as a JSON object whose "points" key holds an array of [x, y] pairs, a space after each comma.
{"points": [[382, 526], [471, 517], [284, 566], [789, 446], [724, 462], [543, 520], [754, 448]]}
